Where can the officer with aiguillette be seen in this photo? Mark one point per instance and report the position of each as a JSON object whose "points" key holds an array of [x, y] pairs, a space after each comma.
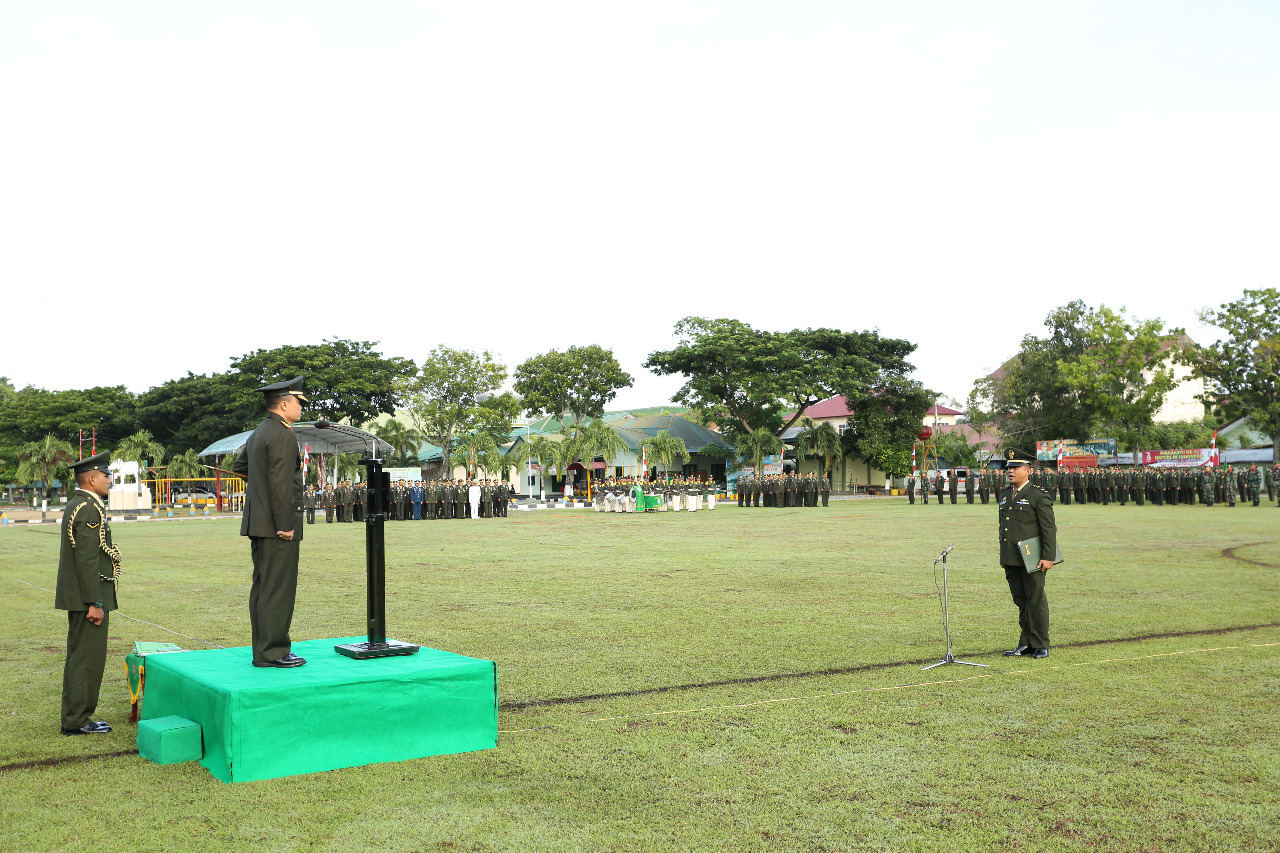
{"points": [[88, 568]]}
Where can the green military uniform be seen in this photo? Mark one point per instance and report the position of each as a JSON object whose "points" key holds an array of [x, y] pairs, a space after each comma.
{"points": [[88, 568], [1024, 514], [309, 503], [330, 503], [1253, 484], [271, 465]]}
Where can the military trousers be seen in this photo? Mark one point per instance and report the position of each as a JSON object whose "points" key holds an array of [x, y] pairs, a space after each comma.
{"points": [[82, 672], [271, 596], [328, 515], [1027, 589], [311, 515]]}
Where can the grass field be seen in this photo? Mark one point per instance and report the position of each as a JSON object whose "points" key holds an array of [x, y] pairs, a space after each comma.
{"points": [[735, 680]]}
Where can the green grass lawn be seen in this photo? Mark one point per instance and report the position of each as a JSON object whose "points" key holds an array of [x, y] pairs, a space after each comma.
{"points": [[752, 682]]}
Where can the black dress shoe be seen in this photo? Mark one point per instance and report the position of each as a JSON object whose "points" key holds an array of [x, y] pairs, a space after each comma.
{"points": [[89, 728], [1016, 653], [1040, 653], [289, 660]]}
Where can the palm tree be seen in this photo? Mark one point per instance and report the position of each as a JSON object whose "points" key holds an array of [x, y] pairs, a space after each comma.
{"points": [[665, 448], [517, 455], [543, 447], [45, 461], [404, 441], [598, 439], [140, 447], [185, 466], [556, 452], [757, 445], [821, 439]]}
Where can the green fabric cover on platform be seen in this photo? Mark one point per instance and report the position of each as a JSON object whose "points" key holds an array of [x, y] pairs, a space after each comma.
{"points": [[169, 740], [262, 723]]}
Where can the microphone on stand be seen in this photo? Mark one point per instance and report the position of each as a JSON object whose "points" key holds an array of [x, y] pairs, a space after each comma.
{"points": [[944, 554]]}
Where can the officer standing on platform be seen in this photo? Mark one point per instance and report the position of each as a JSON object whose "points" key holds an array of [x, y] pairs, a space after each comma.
{"points": [[88, 568], [271, 466], [1026, 511]]}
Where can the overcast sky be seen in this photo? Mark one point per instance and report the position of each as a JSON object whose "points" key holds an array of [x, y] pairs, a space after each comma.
{"points": [[181, 183]]}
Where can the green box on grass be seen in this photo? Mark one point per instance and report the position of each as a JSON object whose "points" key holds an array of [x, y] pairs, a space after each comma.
{"points": [[169, 740]]}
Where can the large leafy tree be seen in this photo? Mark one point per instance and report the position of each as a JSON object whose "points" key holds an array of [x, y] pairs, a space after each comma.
{"points": [[578, 382], [1124, 371], [32, 413], [882, 429], [1028, 398], [344, 379], [446, 396], [756, 380], [192, 412], [1242, 371]]}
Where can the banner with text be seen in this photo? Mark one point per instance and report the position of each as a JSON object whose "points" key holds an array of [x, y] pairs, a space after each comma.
{"points": [[1047, 451], [1187, 458]]}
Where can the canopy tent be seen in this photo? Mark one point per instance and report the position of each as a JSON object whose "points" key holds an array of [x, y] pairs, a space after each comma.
{"points": [[338, 438]]}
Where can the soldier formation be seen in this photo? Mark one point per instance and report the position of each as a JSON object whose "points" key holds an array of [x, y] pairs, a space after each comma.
{"points": [[419, 500], [1140, 484], [783, 490], [625, 494]]}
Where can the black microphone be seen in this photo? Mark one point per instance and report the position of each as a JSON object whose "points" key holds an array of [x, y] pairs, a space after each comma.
{"points": [[321, 424]]}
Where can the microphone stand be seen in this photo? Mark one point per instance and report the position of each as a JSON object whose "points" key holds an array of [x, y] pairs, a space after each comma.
{"points": [[377, 501], [946, 617]]}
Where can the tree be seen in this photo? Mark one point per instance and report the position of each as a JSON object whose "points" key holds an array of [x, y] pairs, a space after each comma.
{"points": [[404, 442], [140, 447], [819, 439], [32, 413], [579, 381], [516, 457], [766, 380], [186, 466], [445, 396], [1243, 369], [543, 448], [755, 446], [344, 379], [555, 453], [44, 461], [1028, 397], [1123, 371], [883, 429], [194, 411], [666, 448], [597, 438]]}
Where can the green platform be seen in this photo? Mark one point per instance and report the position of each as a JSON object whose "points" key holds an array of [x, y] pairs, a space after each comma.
{"points": [[262, 723]]}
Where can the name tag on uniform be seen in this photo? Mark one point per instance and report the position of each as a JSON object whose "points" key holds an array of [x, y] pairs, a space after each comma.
{"points": [[1024, 503]]}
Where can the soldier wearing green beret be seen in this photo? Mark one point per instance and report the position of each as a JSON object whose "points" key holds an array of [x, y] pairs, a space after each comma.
{"points": [[271, 466], [88, 568], [1026, 511]]}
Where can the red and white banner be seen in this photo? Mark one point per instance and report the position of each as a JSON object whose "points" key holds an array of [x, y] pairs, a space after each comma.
{"points": [[1213, 450], [1187, 458]]}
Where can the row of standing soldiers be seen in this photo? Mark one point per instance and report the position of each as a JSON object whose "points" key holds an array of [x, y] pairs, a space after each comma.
{"points": [[429, 499], [985, 483], [617, 494], [344, 502], [1161, 486], [783, 490], [1140, 484]]}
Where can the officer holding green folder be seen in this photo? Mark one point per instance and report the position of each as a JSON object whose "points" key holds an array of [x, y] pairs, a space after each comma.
{"points": [[1026, 512]]}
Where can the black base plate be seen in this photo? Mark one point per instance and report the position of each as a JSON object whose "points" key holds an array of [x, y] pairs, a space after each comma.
{"points": [[367, 651]]}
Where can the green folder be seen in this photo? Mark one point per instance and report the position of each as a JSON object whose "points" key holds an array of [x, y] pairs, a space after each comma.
{"points": [[1030, 551], [144, 648]]}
